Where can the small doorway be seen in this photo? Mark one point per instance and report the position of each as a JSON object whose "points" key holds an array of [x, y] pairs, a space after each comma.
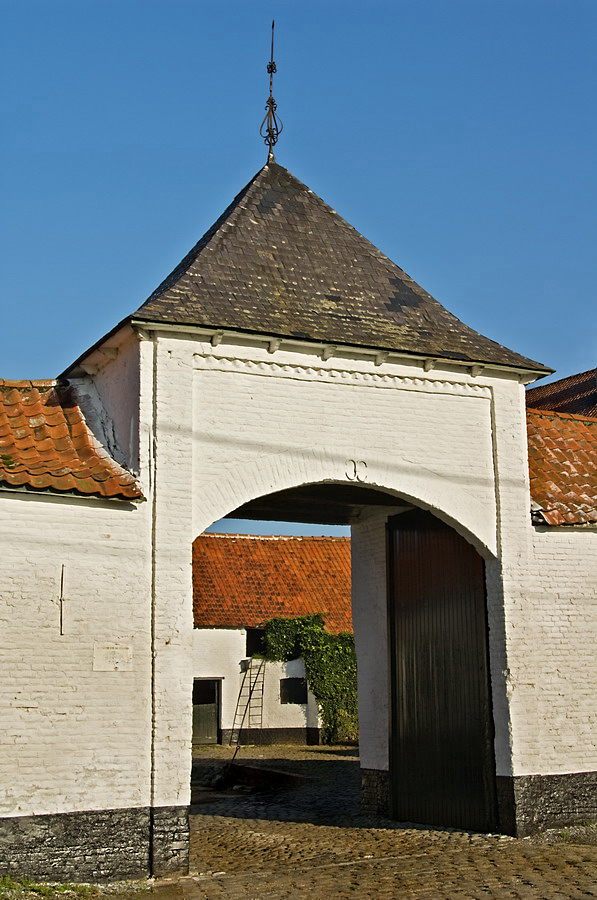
{"points": [[442, 769], [206, 711]]}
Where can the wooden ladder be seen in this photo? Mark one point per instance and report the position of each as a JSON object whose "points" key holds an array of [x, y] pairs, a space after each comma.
{"points": [[249, 706]]}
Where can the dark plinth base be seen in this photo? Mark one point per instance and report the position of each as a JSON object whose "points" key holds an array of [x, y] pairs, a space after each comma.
{"points": [[98, 845], [531, 803], [526, 803], [268, 736], [169, 840], [375, 792]]}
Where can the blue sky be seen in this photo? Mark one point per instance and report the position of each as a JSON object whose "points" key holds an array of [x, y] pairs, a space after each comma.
{"points": [[458, 135]]}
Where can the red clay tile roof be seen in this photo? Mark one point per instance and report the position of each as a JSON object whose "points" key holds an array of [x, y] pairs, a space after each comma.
{"points": [[244, 580], [563, 466], [576, 394], [45, 444]]}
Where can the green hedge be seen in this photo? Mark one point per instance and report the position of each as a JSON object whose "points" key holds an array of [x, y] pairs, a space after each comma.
{"points": [[331, 668]]}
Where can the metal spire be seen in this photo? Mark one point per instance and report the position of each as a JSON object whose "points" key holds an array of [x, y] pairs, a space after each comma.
{"points": [[271, 127]]}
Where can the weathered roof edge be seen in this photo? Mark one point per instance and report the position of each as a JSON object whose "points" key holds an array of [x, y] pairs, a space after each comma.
{"points": [[131, 320], [227, 216], [561, 415]]}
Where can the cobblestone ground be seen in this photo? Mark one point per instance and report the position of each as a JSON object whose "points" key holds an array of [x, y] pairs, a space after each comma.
{"points": [[311, 842]]}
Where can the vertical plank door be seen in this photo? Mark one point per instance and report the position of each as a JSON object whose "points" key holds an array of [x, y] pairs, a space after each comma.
{"points": [[442, 769]]}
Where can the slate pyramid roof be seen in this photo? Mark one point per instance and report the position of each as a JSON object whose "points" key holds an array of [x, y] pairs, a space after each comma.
{"points": [[279, 261]]}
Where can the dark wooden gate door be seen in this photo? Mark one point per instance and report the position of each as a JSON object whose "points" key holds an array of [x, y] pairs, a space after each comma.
{"points": [[442, 768], [206, 709]]}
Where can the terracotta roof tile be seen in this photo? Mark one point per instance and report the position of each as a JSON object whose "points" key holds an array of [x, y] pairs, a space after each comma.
{"points": [[45, 443], [576, 394], [243, 580], [563, 466]]}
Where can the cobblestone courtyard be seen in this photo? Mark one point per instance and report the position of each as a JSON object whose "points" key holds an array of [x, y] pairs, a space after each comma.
{"points": [[311, 842]]}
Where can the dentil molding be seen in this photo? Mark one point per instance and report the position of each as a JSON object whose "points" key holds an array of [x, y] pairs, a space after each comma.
{"points": [[353, 377]]}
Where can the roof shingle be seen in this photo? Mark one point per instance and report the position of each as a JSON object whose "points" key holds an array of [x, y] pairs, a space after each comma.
{"points": [[241, 581], [281, 262], [45, 444]]}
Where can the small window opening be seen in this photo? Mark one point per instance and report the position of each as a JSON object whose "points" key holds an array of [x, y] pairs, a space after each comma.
{"points": [[293, 690], [255, 641]]}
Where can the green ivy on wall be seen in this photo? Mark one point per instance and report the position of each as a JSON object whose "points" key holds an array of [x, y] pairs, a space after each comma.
{"points": [[331, 668]]}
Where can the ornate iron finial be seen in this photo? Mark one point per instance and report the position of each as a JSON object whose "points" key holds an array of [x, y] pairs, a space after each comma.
{"points": [[271, 127]]}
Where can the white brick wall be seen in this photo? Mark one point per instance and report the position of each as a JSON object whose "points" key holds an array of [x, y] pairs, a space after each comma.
{"points": [[73, 737], [553, 677], [110, 396], [217, 427], [172, 576], [450, 442], [262, 426]]}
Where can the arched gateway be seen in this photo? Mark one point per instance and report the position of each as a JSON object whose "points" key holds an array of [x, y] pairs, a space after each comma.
{"points": [[284, 354]]}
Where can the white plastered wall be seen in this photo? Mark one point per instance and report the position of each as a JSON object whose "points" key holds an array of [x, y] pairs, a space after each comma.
{"points": [[369, 616], [218, 653], [109, 396]]}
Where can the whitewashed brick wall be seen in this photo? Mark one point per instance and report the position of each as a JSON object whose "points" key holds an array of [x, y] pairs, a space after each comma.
{"points": [[74, 734], [553, 679], [219, 426], [263, 424], [172, 377], [118, 388], [109, 394], [268, 421]]}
